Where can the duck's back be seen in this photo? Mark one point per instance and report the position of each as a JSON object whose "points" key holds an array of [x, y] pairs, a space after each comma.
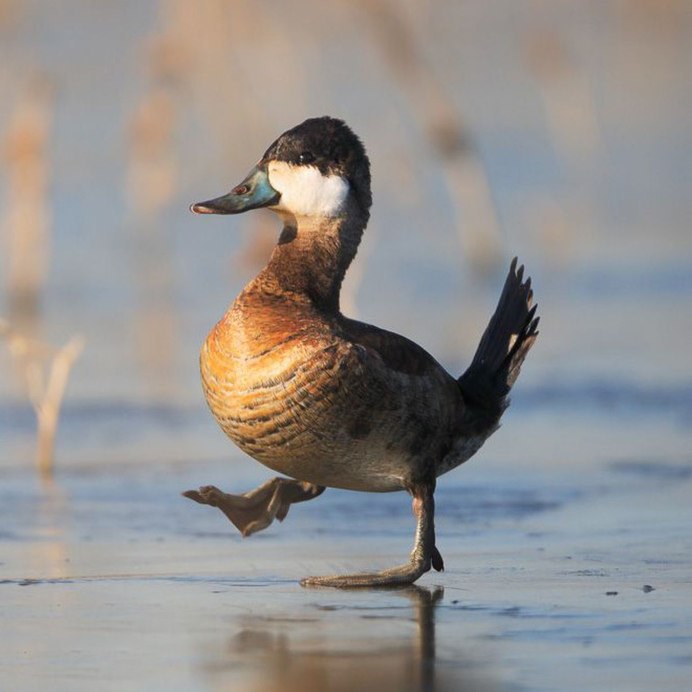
{"points": [[325, 399]]}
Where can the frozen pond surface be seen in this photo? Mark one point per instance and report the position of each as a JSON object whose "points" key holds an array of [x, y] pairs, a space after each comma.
{"points": [[567, 540], [554, 580]]}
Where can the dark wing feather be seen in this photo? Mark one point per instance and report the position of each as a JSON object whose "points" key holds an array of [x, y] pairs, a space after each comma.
{"points": [[397, 352]]}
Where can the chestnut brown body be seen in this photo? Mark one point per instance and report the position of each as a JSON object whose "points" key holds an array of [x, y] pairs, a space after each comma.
{"points": [[329, 400]]}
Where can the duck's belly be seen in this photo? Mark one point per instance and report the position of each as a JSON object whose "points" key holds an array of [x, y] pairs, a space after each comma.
{"points": [[304, 410]]}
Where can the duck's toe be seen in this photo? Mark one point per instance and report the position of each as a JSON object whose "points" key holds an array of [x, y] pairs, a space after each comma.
{"points": [[402, 575], [206, 495]]}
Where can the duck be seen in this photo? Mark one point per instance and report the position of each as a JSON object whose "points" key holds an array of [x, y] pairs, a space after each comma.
{"points": [[328, 401]]}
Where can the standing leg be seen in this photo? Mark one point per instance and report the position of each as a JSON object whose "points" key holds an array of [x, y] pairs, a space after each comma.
{"points": [[423, 556], [255, 510]]}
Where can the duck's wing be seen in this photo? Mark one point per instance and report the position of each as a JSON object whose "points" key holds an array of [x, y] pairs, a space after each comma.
{"points": [[396, 352], [400, 393]]}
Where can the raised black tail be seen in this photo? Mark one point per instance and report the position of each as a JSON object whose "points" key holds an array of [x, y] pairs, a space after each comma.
{"points": [[503, 347]]}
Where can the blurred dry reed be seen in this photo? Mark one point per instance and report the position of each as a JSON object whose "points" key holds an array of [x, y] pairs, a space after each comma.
{"points": [[476, 219], [568, 98], [574, 132], [9, 13], [152, 180], [43, 369], [27, 218], [45, 372]]}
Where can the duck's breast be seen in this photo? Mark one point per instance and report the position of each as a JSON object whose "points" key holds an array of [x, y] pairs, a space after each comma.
{"points": [[292, 393]]}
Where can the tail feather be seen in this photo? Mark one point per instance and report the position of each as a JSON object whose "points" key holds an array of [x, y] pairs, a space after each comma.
{"points": [[506, 341]]}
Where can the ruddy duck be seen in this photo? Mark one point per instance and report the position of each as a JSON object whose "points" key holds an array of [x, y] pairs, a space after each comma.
{"points": [[324, 399]]}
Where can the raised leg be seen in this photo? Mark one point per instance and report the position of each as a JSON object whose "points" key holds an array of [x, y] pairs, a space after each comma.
{"points": [[423, 556], [255, 510]]}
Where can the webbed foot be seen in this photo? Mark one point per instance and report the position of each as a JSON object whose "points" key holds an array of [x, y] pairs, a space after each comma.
{"points": [[257, 509]]}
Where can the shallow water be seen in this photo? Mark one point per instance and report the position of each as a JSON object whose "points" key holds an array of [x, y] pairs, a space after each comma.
{"points": [[566, 540]]}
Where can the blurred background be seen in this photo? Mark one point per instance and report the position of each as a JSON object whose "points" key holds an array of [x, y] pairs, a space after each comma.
{"points": [[555, 131]]}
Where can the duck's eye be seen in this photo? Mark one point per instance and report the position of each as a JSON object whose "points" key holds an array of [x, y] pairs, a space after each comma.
{"points": [[306, 157]]}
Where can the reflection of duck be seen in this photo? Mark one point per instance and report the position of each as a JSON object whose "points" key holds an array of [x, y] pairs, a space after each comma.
{"points": [[382, 644], [327, 400]]}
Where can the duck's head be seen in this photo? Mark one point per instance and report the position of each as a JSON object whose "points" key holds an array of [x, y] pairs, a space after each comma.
{"points": [[316, 169]]}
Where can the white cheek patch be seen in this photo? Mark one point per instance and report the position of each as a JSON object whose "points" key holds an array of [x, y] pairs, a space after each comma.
{"points": [[305, 191]]}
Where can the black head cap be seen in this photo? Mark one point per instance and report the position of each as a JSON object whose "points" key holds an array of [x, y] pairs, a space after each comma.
{"points": [[331, 146]]}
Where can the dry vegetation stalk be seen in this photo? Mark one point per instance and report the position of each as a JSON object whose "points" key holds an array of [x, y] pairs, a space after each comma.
{"points": [[45, 371]]}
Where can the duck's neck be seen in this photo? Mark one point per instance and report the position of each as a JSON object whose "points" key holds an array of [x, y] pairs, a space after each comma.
{"points": [[312, 257]]}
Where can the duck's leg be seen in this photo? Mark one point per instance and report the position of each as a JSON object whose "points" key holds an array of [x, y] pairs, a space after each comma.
{"points": [[423, 556], [255, 510]]}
